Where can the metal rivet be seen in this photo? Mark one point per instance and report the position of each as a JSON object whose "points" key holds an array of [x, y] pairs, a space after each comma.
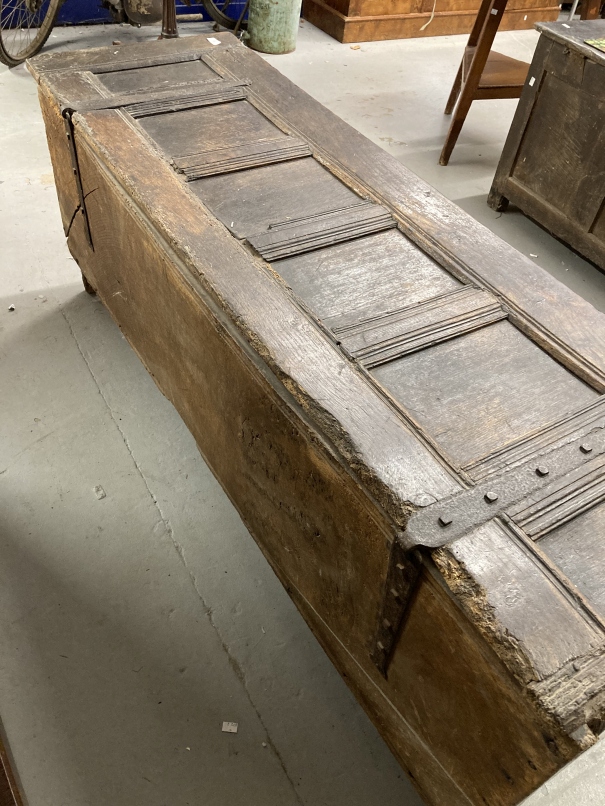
{"points": [[387, 624], [380, 646], [542, 471], [585, 447], [400, 567], [395, 593], [490, 497], [444, 520]]}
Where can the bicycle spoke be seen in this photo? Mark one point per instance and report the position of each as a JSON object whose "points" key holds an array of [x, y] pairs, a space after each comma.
{"points": [[8, 24], [20, 18], [23, 28]]}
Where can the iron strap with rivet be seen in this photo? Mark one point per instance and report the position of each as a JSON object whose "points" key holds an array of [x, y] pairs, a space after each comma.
{"points": [[537, 494], [440, 523], [69, 130]]}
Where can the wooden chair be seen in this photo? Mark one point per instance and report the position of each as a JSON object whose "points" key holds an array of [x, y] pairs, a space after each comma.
{"points": [[482, 73]]}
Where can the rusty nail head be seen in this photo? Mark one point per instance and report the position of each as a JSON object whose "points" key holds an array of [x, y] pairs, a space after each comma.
{"points": [[490, 497], [541, 470], [585, 447], [444, 520]]}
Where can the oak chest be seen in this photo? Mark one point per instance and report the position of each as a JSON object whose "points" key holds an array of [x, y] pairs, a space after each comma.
{"points": [[408, 414]]}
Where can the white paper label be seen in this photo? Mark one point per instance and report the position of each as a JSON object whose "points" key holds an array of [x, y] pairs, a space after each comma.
{"points": [[229, 727], [213, 41]]}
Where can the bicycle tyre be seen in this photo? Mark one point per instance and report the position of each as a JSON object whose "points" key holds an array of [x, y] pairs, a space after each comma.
{"points": [[218, 9], [25, 25]]}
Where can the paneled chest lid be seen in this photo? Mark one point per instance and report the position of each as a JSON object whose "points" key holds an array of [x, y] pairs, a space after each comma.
{"points": [[458, 381]]}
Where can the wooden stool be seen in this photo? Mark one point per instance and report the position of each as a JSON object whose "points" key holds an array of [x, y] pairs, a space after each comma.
{"points": [[482, 74]]}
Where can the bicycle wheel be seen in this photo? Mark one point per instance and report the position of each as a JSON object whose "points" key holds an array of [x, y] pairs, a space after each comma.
{"points": [[24, 28], [228, 13]]}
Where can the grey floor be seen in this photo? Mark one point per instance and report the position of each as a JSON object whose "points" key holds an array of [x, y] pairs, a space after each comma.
{"points": [[136, 613]]}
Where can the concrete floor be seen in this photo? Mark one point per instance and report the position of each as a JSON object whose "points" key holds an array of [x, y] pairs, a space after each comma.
{"points": [[132, 625]]}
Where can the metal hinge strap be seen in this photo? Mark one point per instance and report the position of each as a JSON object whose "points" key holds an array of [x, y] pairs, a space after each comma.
{"points": [[450, 518], [69, 130], [402, 576], [538, 495]]}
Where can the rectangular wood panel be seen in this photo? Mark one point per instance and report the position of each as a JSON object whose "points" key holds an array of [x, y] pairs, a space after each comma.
{"points": [[483, 390], [354, 21], [571, 149], [368, 277], [578, 549], [156, 77], [553, 160], [209, 128], [249, 202]]}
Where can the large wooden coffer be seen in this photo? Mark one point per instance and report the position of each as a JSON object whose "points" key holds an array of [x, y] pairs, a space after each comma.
{"points": [[407, 413]]}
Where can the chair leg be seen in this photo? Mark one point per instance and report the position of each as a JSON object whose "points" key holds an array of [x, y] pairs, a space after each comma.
{"points": [[456, 126], [451, 101]]}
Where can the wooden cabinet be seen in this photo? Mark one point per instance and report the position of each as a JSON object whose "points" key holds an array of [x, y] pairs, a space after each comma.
{"points": [[370, 20], [553, 163], [408, 414]]}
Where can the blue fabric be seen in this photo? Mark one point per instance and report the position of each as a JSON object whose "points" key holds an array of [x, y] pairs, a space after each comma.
{"points": [[81, 12]]}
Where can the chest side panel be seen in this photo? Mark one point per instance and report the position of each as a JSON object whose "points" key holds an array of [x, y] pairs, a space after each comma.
{"points": [[562, 154]]}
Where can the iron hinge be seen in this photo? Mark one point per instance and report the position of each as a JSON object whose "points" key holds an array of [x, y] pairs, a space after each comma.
{"points": [[539, 493], [402, 574], [69, 130], [448, 519]]}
